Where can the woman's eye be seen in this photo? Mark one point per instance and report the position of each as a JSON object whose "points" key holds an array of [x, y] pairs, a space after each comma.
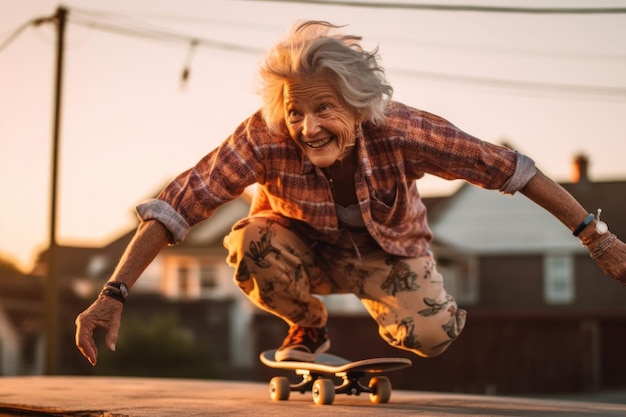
{"points": [[325, 107]]}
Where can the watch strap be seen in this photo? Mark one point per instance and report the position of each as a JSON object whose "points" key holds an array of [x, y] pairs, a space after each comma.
{"points": [[115, 290], [116, 295]]}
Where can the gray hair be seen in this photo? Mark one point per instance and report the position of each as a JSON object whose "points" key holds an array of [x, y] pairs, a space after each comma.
{"points": [[311, 51]]}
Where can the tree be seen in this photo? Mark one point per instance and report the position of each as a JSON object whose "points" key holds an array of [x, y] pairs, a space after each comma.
{"points": [[158, 347], [8, 268]]}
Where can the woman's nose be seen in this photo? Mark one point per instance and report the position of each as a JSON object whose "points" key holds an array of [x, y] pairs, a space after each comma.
{"points": [[310, 126]]}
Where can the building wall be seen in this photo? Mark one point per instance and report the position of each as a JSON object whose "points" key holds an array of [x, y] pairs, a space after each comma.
{"points": [[517, 283], [512, 282], [594, 290]]}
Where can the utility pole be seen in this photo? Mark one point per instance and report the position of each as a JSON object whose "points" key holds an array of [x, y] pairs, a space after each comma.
{"points": [[52, 283]]}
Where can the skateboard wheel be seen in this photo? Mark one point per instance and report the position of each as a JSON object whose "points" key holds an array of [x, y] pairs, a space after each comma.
{"points": [[279, 388], [323, 391], [381, 386]]}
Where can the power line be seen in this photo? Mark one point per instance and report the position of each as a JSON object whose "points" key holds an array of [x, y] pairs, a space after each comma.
{"points": [[260, 26], [123, 27], [199, 20], [128, 29], [162, 35], [515, 84], [507, 50], [196, 20], [9, 40], [459, 8], [499, 83]]}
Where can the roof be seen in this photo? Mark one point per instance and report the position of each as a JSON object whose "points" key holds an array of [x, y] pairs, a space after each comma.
{"points": [[484, 221]]}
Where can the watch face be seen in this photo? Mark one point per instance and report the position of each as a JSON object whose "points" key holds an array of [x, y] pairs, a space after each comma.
{"points": [[601, 228], [124, 290], [121, 287]]}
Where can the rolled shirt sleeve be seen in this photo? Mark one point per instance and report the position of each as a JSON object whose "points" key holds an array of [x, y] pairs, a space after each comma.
{"points": [[160, 210], [524, 170]]}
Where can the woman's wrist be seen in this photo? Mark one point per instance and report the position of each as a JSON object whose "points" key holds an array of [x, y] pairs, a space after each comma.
{"points": [[591, 229], [590, 234]]}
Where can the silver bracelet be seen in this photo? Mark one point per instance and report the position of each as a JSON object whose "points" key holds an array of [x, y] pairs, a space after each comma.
{"points": [[603, 246]]}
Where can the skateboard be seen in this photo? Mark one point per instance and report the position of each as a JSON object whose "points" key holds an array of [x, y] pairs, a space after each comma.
{"points": [[317, 377]]}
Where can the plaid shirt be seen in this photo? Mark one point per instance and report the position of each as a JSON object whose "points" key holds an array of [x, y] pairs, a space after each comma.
{"points": [[391, 157]]}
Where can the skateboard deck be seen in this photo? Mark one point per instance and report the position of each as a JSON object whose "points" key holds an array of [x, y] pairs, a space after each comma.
{"points": [[317, 377]]}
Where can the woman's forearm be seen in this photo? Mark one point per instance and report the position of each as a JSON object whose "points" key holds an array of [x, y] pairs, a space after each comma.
{"points": [[555, 199], [150, 238]]}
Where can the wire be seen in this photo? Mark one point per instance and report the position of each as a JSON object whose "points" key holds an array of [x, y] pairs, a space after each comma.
{"points": [[197, 20], [515, 84], [169, 36], [505, 50], [153, 33], [16, 33], [459, 8], [162, 35], [261, 26]]}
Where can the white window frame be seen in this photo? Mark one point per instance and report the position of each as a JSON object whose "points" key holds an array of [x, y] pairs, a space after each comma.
{"points": [[559, 286]]}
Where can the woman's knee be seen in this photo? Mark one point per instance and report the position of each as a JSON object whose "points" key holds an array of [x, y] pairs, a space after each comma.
{"points": [[251, 238], [263, 248], [426, 339]]}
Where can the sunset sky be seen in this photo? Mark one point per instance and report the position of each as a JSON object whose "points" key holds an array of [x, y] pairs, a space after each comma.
{"points": [[551, 85]]}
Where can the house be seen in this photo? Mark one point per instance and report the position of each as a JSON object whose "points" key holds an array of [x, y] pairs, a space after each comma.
{"points": [[21, 324], [542, 316], [506, 252]]}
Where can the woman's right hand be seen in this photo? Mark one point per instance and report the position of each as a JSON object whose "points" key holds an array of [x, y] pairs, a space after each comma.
{"points": [[105, 313]]}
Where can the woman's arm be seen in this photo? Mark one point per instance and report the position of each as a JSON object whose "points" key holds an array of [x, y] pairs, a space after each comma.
{"points": [[608, 252], [106, 312]]}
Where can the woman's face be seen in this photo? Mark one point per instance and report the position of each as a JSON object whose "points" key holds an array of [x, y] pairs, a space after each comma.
{"points": [[319, 121]]}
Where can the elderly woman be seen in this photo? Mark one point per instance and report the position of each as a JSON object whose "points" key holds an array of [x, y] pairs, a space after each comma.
{"points": [[337, 208]]}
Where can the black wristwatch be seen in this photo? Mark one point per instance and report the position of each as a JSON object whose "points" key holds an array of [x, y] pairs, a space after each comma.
{"points": [[116, 290]]}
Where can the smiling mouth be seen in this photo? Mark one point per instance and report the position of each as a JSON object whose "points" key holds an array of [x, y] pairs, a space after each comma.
{"points": [[319, 143]]}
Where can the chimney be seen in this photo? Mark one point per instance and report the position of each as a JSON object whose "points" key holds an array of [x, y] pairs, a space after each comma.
{"points": [[580, 174]]}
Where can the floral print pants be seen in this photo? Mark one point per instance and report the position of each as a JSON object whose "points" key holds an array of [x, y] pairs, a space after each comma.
{"points": [[280, 269]]}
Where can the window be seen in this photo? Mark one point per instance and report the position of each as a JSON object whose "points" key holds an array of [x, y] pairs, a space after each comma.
{"points": [[192, 278], [184, 286], [558, 279], [208, 279]]}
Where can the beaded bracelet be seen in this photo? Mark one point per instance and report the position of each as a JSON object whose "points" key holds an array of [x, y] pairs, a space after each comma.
{"points": [[603, 246]]}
